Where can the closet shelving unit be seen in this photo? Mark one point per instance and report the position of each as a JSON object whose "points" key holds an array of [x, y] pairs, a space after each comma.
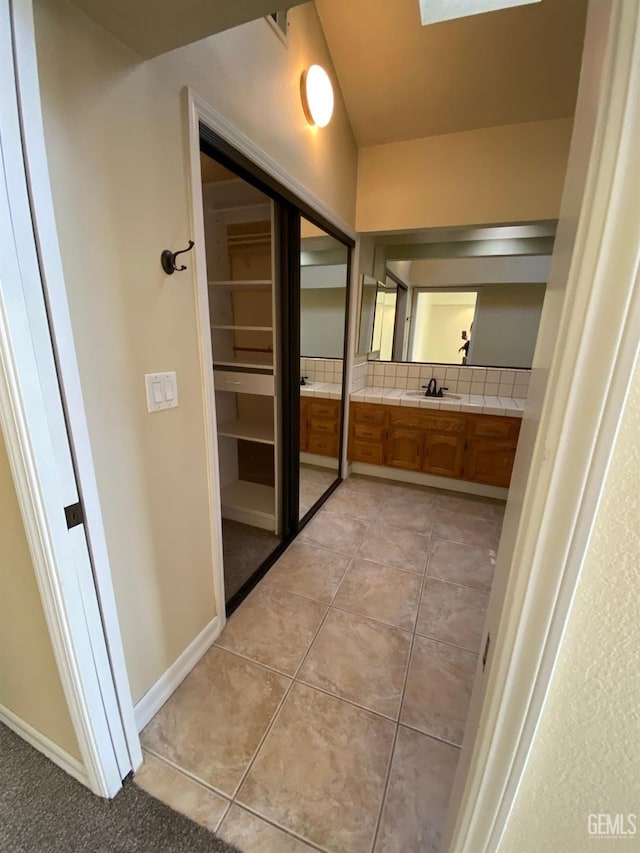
{"points": [[242, 312]]}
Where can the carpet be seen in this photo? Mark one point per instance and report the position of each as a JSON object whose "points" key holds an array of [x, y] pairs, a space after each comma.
{"points": [[43, 810], [244, 549]]}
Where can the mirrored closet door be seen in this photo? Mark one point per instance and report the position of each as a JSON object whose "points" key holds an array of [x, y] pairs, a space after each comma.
{"points": [[277, 286], [324, 279]]}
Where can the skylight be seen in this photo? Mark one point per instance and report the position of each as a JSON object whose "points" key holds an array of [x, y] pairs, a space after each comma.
{"points": [[434, 11]]}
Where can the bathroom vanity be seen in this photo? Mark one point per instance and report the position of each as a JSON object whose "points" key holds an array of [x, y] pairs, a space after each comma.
{"points": [[461, 445]]}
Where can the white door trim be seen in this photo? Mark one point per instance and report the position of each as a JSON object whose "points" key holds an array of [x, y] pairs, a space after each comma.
{"points": [[594, 359], [33, 420], [200, 111]]}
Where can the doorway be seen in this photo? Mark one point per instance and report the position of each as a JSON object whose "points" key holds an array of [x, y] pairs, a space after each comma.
{"points": [[277, 296]]}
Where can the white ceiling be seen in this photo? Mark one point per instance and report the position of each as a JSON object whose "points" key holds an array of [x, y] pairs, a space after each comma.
{"points": [[402, 80]]}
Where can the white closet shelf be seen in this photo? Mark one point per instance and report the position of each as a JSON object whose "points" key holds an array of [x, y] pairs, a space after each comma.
{"points": [[249, 284], [249, 503], [249, 365], [245, 328], [251, 431]]}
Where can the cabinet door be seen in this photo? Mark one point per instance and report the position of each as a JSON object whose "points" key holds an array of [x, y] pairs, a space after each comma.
{"points": [[443, 455], [403, 449], [489, 462]]}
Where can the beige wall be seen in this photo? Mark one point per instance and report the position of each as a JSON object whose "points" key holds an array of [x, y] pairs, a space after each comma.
{"points": [[512, 173], [586, 756], [29, 682], [118, 156]]}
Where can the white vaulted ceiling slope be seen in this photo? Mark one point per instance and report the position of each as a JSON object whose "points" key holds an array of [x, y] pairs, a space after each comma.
{"points": [[401, 80]]}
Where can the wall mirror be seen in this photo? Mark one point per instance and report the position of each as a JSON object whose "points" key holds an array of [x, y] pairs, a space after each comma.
{"points": [[324, 278], [467, 296]]}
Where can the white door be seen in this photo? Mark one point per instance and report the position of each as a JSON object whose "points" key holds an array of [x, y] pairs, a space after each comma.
{"points": [[37, 428]]}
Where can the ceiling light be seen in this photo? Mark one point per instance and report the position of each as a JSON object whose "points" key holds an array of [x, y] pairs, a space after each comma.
{"points": [[434, 11], [317, 96]]}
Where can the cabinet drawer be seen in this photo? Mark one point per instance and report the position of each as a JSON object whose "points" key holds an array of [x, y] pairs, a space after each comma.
{"points": [[498, 427], [325, 427], [443, 424], [373, 433], [405, 418], [373, 415], [244, 383], [362, 451], [329, 409], [323, 445]]}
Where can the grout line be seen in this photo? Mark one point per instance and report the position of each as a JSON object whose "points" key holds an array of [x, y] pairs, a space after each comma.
{"points": [[402, 697], [347, 701], [207, 785], [431, 735], [447, 643], [343, 609], [280, 706], [276, 825]]}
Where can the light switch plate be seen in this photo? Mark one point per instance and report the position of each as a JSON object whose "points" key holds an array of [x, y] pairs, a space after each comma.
{"points": [[162, 391]]}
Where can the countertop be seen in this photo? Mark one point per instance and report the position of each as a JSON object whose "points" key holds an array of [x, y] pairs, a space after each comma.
{"points": [[328, 390], [507, 406]]}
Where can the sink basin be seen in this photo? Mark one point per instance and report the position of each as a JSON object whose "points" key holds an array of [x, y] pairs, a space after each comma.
{"points": [[445, 396]]}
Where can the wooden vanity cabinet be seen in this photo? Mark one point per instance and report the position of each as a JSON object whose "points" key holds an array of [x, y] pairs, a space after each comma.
{"points": [[460, 445], [320, 426], [403, 448]]}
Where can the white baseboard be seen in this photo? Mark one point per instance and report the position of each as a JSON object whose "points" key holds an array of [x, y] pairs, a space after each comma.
{"points": [[47, 747], [420, 479], [155, 698]]}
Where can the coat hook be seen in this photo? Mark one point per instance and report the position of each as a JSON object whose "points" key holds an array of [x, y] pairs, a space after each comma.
{"points": [[168, 259]]}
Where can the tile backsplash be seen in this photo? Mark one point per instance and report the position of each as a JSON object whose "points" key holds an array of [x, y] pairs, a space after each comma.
{"points": [[488, 381], [321, 369]]}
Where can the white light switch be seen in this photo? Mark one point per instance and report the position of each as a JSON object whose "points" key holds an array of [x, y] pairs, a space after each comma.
{"points": [[162, 391]]}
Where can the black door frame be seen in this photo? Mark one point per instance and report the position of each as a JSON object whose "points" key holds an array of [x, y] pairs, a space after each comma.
{"points": [[288, 210]]}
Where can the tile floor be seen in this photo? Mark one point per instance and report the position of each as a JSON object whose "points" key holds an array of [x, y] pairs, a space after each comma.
{"points": [[329, 713], [314, 482]]}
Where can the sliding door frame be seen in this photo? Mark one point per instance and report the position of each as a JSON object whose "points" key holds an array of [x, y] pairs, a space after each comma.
{"points": [[240, 155]]}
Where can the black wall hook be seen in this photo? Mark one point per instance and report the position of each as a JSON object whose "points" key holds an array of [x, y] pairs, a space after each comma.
{"points": [[168, 259]]}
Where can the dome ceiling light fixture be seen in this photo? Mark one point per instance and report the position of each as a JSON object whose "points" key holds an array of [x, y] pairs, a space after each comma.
{"points": [[434, 11], [317, 96]]}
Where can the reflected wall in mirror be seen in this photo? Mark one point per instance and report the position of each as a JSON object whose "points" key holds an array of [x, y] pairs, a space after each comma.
{"points": [[324, 275], [474, 299]]}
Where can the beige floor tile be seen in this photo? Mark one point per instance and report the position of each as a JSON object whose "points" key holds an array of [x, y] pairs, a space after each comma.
{"points": [[453, 614], [251, 834], [420, 785], [393, 547], [309, 570], [273, 627], [321, 771], [338, 532], [438, 690], [180, 793], [366, 486], [463, 564], [212, 725], [311, 492], [471, 505], [359, 660], [355, 505], [466, 529], [311, 474], [381, 592], [405, 513]]}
